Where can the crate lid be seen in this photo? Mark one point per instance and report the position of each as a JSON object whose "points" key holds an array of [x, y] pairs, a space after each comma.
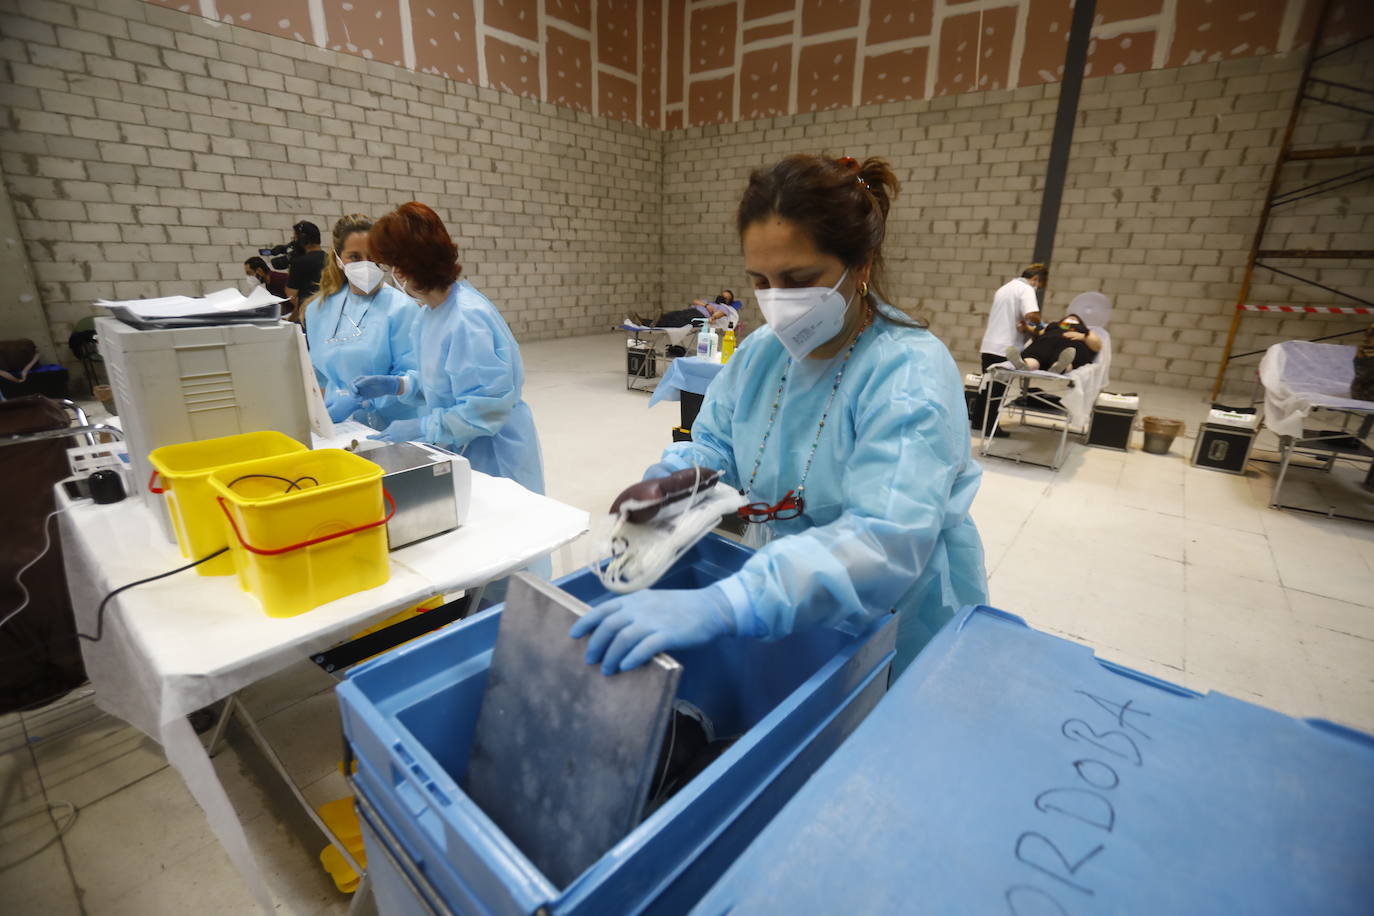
{"points": [[1011, 771], [113, 332]]}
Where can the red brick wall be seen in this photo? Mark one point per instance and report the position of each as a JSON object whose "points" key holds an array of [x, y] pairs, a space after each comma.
{"points": [[798, 56], [681, 63]]}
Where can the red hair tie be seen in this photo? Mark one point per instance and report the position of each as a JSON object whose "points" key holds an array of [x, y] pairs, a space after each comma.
{"points": [[852, 164]]}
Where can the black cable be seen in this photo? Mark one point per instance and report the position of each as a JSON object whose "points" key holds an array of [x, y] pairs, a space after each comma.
{"points": [[291, 484], [100, 612]]}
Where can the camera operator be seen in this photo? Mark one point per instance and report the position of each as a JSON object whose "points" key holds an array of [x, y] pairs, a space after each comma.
{"points": [[303, 277]]}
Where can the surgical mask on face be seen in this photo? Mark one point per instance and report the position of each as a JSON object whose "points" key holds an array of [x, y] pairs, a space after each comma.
{"points": [[400, 284], [804, 318], [364, 275]]}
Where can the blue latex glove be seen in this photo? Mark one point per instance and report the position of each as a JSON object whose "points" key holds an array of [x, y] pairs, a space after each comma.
{"points": [[628, 631], [342, 406], [657, 470], [368, 387], [400, 431]]}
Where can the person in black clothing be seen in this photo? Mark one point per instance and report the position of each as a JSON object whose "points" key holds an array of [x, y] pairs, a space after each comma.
{"points": [[303, 277], [1062, 345], [274, 280]]}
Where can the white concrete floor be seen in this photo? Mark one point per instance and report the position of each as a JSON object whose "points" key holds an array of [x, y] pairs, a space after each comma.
{"points": [[1179, 572]]}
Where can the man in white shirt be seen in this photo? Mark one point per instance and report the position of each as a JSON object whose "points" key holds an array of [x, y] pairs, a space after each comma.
{"points": [[1014, 310]]}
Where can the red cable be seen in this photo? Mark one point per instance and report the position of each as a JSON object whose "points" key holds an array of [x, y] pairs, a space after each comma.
{"points": [[320, 540]]}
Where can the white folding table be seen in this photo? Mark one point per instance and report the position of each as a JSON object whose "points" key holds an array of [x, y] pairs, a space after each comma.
{"points": [[179, 644]]}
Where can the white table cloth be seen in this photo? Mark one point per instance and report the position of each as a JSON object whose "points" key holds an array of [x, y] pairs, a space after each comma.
{"points": [[181, 643], [1300, 376]]}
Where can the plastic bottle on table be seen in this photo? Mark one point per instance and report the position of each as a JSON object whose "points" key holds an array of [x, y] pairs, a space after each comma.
{"points": [[706, 340], [727, 346]]}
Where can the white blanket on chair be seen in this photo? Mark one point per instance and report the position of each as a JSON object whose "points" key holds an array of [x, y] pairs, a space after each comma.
{"points": [[1088, 382]]}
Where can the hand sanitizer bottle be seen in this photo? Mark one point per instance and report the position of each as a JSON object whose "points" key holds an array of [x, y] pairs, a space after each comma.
{"points": [[706, 340]]}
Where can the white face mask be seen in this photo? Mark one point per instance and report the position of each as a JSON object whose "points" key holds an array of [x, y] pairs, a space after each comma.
{"points": [[804, 318], [402, 285], [364, 275]]}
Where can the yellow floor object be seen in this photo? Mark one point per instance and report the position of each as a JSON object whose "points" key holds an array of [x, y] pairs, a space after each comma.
{"points": [[342, 820], [339, 815]]}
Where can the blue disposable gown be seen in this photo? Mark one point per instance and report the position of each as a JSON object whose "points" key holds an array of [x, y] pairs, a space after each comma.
{"points": [[384, 346], [468, 388], [886, 523]]}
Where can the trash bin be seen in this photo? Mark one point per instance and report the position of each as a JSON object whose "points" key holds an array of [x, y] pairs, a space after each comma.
{"points": [[409, 717], [1160, 433]]}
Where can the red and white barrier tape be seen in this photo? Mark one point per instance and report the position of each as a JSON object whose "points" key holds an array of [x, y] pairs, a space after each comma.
{"points": [[1311, 309]]}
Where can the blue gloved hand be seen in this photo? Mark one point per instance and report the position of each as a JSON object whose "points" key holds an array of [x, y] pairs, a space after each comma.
{"points": [[400, 431], [657, 470], [628, 631], [342, 406], [368, 387]]}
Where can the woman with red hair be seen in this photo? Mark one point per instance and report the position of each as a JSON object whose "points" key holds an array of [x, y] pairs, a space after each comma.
{"points": [[470, 373]]}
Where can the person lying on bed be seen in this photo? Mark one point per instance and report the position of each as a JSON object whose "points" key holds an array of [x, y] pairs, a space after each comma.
{"points": [[1362, 385], [1062, 345]]}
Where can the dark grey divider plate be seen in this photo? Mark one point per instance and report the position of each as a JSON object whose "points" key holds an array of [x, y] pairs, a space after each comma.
{"points": [[563, 756]]}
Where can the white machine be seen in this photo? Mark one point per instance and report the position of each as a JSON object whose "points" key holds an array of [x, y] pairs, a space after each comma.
{"points": [[1238, 419], [183, 384]]}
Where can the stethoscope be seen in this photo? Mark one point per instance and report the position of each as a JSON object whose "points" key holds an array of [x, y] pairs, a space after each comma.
{"points": [[334, 338]]}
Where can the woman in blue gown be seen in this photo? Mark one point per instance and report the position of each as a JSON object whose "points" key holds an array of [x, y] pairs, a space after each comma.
{"points": [[468, 375], [843, 422], [357, 325]]}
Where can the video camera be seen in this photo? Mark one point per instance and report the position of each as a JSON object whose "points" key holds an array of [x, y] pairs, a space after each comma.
{"points": [[281, 256]]}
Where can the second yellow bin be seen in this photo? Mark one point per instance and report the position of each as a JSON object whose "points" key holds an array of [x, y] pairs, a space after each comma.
{"points": [[305, 528], [185, 469]]}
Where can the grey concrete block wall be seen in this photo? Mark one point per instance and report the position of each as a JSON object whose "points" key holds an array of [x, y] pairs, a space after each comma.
{"points": [[1166, 180], [148, 152]]}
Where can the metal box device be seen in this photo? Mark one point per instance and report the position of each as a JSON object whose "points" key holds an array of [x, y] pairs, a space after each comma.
{"points": [[641, 360], [429, 487], [1113, 417], [187, 384], [1225, 440], [972, 385]]}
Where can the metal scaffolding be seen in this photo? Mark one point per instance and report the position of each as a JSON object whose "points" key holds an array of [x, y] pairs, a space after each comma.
{"points": [[1312, 90]]}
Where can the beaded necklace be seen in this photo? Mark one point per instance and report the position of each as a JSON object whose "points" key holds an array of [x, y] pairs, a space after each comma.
{"points": [[777, 401]]}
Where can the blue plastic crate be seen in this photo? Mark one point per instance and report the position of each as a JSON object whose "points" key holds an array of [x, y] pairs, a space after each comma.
{"points": [[1009, 771], [409, 717]]}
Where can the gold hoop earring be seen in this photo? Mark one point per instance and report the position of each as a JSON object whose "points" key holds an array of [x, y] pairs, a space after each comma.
{"points": [[863, 289]]}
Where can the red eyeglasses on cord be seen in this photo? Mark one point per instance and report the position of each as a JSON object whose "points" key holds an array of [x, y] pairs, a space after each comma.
{"points": [[787, 508]]}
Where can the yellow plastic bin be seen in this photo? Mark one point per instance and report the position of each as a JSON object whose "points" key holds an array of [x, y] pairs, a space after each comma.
{"points": [[181, 473], [305, 528]]}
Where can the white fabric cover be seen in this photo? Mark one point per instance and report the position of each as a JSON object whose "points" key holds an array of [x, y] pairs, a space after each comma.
{"points": [[173, 646], [676, 336], [1299, 375]]}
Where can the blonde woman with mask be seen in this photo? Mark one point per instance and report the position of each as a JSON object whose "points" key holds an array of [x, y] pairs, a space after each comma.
{"points": [[357, 325]]}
